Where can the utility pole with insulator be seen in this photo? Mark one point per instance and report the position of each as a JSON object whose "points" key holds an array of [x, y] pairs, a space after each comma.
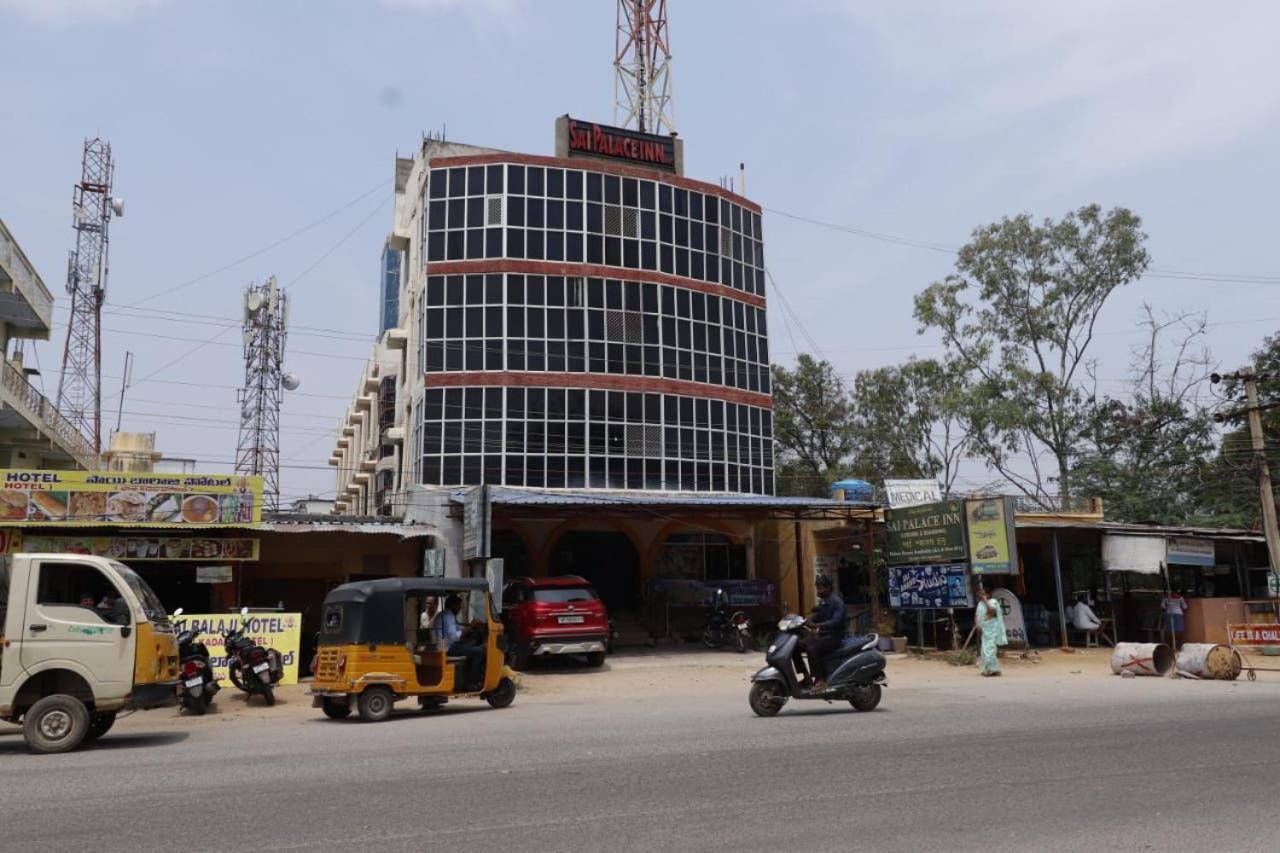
{"points": [[642, 93], [92, 206], [1266, 497]]}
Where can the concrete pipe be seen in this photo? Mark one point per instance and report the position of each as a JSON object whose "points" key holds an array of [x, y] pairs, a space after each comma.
{"points": [[1209, 660], [1142, 658]]}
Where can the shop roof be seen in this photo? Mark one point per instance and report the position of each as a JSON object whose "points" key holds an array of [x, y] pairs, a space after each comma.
{"points": [[1236, 534], [510, 496]]}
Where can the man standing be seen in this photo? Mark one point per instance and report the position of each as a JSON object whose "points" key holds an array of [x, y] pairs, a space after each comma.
{"points": [[829, 621]]}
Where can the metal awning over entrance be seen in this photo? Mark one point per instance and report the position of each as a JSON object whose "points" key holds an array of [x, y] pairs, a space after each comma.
{"points": [[512, 501]]}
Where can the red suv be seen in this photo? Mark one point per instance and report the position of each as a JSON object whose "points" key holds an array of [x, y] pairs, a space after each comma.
{"points": [[554, 616]]}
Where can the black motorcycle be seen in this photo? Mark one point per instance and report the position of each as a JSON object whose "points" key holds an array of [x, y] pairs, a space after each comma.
{"points": [[856, 672], [251, 667], [198, 684], [724, 628]]}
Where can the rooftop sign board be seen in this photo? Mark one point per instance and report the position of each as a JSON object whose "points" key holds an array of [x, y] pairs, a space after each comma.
{"points": [[89, 498], [575, 138]]}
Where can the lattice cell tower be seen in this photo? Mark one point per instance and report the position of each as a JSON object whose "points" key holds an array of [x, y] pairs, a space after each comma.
{"points": [[266, 316], [92, 205], [642, 92]]}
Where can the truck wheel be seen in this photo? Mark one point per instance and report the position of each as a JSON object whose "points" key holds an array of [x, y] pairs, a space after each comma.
{"points": [[335, 710], [595, 659], [374, 704], [99, 724], [57, 723], [503, 695]]}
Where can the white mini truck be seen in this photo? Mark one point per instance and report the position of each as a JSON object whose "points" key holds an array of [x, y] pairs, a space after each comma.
{"points": [[81, 639]]}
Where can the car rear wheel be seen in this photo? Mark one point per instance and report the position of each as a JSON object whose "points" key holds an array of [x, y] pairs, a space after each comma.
{"points": [[595, 659], [518, 658], [57, 723], [766, 698], [375, 704]]}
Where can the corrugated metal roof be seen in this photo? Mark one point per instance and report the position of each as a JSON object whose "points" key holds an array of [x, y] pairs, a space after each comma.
{"points": [[404, 531], [1143, 529], [511, 496]]}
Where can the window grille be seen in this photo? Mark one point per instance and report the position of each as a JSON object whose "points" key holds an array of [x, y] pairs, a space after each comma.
{"points": [[644, 440], [624, 327], [493, 210]]}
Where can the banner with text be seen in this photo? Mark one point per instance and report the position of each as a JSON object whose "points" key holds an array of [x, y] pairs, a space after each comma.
{"points": [[279, 631], [929, 587], [88, 498], [928, 533]]}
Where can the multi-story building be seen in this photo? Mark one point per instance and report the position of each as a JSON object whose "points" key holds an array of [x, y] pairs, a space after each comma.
{"points": [[590, 320], [32, 432]]}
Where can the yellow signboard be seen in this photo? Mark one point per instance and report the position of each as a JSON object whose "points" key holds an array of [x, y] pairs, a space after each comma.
{"points": [[131, 548], [279, 631], [88, 498], [992, 543]]}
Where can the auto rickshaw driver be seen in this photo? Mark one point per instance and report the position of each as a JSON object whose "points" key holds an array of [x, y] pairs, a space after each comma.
{"points": [[458, 641]]}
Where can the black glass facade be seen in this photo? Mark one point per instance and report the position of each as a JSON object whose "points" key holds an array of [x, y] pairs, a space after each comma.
{"points": [[692, 341]]}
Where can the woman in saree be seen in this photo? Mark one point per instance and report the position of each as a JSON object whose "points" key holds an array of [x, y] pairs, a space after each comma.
{"points": [[990, 622]]}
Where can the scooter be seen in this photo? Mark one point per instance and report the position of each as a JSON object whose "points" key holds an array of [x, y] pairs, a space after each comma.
{"points": [[723, 628], [856, 672], [198, 685], [251, 667]]}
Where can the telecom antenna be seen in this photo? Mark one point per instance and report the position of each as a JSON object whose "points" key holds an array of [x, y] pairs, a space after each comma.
{"points": [[92, 206], [642, 92], [266, 316]]}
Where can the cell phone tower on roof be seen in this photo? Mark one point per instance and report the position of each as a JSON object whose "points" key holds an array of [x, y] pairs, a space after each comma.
{"points": [[266, 318], [92, 205], [642, 91]]}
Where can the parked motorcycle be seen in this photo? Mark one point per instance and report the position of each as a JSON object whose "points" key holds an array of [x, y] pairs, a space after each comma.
{"points": [[855, 672], [198, 684], [251, 667], [725, 628]]}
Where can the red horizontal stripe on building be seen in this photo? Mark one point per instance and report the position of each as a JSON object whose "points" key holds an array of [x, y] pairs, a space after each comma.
{"points": [[587, 270], [597, 382], [594, 166]]}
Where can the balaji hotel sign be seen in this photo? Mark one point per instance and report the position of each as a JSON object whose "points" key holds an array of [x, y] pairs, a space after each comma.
{"points": [[576, 138]]}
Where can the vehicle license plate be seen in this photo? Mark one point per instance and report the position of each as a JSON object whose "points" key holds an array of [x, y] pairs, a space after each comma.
{"points": [[194, 682], [572, 620], [262, 667]]}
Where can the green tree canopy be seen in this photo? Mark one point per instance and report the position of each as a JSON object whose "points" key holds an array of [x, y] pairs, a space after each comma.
{"points": [[812, 427]]}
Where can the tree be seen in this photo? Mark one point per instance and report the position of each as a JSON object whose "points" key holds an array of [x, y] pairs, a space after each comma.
{"points": [[909, 421], [812, 426], [1019, 313], [1148, 456]]}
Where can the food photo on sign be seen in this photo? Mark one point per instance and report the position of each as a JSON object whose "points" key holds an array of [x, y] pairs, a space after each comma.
{"points": [[111, 497]]}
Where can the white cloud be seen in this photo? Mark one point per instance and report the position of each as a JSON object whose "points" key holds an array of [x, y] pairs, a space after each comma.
{"points": [[76, 11], [1117, 84]]}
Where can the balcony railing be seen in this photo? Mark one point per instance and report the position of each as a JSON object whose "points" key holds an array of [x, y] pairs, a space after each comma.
{"points": [[37, 409]]}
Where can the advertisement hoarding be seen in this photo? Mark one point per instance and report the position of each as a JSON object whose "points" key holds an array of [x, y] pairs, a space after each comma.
{"points": [[133, 548], [1182, 551], [88, 498], [279, 631], [929, 533], [929, 587], [992, 541]]}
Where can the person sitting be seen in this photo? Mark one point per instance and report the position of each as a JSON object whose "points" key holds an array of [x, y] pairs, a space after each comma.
{"points": [[456, 640], [1083, 617], [829, 621]]}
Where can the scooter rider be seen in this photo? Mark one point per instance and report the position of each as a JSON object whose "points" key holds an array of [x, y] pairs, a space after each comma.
{"points": [[829, 621]]}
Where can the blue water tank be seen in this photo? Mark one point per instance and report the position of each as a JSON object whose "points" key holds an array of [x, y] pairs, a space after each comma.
{"points": [[852, 490]]}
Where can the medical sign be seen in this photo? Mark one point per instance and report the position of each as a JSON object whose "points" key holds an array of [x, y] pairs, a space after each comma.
{"points": [[279, 631]]}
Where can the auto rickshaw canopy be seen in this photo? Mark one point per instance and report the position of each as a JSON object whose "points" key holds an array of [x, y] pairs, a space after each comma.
{"points": [[374, 611]]}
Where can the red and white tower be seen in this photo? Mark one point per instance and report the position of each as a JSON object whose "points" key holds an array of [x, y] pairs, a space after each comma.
{"points": [[642, 90]]}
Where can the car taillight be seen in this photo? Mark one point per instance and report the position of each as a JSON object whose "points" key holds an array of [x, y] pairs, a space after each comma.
{"points": [[190, 670]]}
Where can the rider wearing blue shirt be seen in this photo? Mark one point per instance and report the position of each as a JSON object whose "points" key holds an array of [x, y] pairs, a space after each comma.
{"points": [[829, 621]]}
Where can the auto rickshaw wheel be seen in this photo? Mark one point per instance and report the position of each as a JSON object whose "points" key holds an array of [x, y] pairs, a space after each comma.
{"points": [[375, 704], [335, 710], [503, 695]]}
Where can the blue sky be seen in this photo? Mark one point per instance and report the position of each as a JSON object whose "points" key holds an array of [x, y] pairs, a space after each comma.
{"points": [[236, 124]]}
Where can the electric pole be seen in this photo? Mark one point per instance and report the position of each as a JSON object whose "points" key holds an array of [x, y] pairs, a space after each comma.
{"points": [[1267, 497]]}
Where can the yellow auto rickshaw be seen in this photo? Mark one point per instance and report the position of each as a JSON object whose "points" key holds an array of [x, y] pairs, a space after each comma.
{"points": [[395, 638]]}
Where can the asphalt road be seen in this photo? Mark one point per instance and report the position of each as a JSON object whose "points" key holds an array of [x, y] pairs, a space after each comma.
{"points": [[647, 757]]}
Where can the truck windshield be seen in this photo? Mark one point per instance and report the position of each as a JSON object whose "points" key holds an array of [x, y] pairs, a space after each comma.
{"points": [[151, 605]]}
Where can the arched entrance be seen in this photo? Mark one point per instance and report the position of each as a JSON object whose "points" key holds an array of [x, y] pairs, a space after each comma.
{"points": [[604, 557]]}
